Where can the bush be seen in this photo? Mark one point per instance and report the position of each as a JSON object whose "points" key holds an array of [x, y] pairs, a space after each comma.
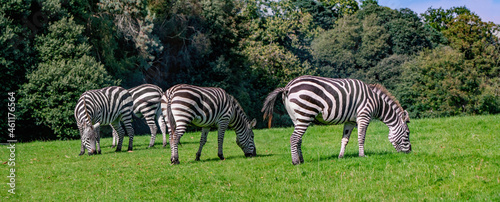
{"points": [[53, 89]]}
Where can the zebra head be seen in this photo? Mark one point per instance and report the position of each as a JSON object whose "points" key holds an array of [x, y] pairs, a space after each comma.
{"points": [[245, 140], [89, 137], [400, 134]]}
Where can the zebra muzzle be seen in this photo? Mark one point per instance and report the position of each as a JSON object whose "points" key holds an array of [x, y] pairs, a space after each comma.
{"points": [[251, 154]]}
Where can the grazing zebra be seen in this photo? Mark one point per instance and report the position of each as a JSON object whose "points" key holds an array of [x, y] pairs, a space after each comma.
{"points": [[337, 101], [205, 107], [105, 106], [147, 104]]}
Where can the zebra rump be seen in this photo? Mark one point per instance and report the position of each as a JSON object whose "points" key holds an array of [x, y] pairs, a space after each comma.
{"points": [[339, 101], [147, 99], [205, 107]]}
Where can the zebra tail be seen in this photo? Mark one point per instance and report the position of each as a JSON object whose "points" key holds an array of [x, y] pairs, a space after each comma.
{"points": [[171, 121], [269, 105]]}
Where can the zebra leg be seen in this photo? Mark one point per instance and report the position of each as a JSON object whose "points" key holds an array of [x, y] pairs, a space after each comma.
{"points": [[296, 142], [362, 125], [82, 150], [97, 129], [222, 129], [130, 132], [153, 129], [120, 133], [203, 140], [163, 127], [345, 137], [115, 137], [299, 151], [174, 142]]}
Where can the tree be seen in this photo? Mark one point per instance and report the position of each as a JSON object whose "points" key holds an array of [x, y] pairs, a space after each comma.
{"points": [[15, 53], [469, 34], [53, 89], [136, 22], [442, 82], [438, 18], [64, 73], [335, 50]]}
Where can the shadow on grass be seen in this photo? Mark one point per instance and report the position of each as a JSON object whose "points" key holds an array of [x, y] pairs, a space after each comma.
{"points": [[356, 155], [242, 156]]}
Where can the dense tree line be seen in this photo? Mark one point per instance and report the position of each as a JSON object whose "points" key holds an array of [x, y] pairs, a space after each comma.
{"points": [[443, 62]]}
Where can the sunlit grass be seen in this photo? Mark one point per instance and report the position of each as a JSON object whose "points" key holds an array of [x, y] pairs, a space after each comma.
{"points": [[453, 159]]}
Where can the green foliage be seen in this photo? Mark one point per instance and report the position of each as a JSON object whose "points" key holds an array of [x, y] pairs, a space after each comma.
{"points": [[443, 83], [468, 34], [15, 54], [387, 72], [452, 158], [439, 18], [136, 22], [64, 73], [277, 63], [63, 40], [53, 89], [335, 50], [246, 47]]}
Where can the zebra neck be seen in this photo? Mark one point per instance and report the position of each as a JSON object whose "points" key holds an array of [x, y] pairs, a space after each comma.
{"points": [[239, 123], [388, 112], [91, 110], [87, 118]]}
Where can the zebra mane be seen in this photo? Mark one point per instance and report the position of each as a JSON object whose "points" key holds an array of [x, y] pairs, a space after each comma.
{"points": [[85, 108], [384, 91], [238, 107]]}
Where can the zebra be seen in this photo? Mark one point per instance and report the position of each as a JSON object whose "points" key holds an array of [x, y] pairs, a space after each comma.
{"points": [[337, 101], [147, 104], [205, 107], [106, 106]]}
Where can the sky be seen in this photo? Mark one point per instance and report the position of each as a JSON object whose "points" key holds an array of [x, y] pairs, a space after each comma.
{"points": [[487, 10]]}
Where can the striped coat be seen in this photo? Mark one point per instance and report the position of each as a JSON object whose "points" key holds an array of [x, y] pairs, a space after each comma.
{"points": [[339, 101], [147, 105], [205, 107], [106, 106]]}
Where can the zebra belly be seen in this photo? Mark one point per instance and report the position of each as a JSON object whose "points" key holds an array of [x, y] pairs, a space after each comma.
{"points": [[320, 118]]}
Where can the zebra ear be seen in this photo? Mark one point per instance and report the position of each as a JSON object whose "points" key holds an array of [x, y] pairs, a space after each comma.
{"points": [[253, 123], [406, 116]]}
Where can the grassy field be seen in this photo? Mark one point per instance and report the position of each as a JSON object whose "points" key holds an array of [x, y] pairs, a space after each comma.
{"points": [[454, 158]]}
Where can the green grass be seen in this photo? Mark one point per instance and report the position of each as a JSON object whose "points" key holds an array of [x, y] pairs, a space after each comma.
{"points": [[453, 159]]}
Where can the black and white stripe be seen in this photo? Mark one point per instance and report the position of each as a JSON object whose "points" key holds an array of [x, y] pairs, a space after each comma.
{"points": [[337, 101], [205, 107], [147, 99], [106, 106]]}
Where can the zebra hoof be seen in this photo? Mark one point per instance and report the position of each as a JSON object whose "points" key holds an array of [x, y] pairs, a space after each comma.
{"points": [[296, 162], [221, 157], [175, 162], [81, 153], [151, 146]]}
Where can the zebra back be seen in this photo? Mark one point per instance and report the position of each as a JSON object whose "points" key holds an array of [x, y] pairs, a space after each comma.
{"points": [[146, 98]]}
